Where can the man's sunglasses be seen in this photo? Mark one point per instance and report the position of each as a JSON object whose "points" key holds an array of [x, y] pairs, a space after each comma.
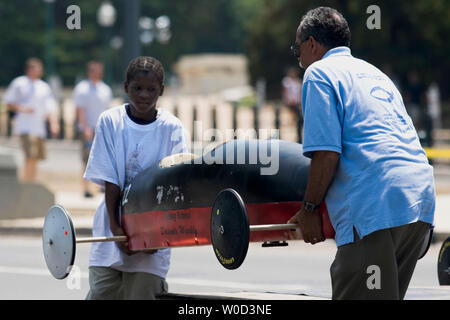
{"points": [[295, 49]]}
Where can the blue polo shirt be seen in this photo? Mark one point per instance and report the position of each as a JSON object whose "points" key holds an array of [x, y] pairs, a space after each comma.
{"points": [[383, 178]]}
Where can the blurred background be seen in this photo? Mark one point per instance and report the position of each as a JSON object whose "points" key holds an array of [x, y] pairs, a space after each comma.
{"points": [[228, 62]]}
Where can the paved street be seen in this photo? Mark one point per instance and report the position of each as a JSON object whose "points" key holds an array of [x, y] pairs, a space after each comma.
{"points": [[297, 269]]}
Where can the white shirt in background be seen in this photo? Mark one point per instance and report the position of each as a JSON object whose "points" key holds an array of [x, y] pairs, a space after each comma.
{"points": [[35, 94], [93, 99]]}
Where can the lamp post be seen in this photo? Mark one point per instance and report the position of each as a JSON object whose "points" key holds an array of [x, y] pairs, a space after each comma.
{"points": [[158, 29], [49, 62], [131, 44], [106, 17], [49, 43]]}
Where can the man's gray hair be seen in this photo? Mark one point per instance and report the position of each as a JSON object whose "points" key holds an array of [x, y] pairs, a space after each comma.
{"points": [[327, 26]]}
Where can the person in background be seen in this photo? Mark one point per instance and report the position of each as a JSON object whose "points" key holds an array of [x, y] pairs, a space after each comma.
{"points": [[33, 103], [91, 96], [434, 104], [292, 93], [415, 98]]}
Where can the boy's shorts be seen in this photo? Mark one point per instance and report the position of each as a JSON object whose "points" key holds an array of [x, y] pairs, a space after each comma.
{"points": [[33, 147], [111, 284]]}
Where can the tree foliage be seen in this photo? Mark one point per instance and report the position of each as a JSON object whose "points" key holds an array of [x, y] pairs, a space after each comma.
{"points": [[197, 26], [413, 35]]}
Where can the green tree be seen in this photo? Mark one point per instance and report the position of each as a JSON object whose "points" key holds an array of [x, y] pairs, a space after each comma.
{"points": [[412, 37], [198, 26]]}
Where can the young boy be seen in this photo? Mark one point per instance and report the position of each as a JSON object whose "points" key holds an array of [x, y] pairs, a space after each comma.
{"points": [[129, 139]]}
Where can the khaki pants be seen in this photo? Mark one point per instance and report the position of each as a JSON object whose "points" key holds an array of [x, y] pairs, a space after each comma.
{"points": [[378, 266], [33, 147], [110, 284]]}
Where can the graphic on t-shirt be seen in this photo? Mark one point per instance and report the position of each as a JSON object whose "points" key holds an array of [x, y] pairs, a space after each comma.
{"points": [[382, 94], [133, 167]]}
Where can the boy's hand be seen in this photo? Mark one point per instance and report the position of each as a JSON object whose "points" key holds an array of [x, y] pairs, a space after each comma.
{"points": [[112, 201], [123, 245]]}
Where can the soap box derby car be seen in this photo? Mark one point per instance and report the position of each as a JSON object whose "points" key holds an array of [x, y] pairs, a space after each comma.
{"points": [[226, 198]]}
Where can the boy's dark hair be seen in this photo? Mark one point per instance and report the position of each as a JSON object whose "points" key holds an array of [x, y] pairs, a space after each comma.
{"points": [[146, 65], [327, 26]]}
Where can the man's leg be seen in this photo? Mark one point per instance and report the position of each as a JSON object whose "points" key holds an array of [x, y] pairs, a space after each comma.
{"points": [[408, 241], [85, 150], [143, 286], [30, 169], [105, 284], [366, 269]]}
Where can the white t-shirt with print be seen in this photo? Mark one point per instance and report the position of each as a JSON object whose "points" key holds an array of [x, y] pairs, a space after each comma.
{"points": [[122, 149], [93, 99], [34, 94]]}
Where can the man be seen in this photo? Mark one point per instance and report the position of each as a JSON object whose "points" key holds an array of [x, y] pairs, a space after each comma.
{"points": [[31, 99], [292, 93], [92, 96], [366, 160]]}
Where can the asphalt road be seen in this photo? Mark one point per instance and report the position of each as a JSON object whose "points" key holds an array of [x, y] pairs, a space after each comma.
{"points": [[296, 269]]}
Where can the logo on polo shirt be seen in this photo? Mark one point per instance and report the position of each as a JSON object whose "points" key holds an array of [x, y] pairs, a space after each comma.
{"points": [[382, 94]]}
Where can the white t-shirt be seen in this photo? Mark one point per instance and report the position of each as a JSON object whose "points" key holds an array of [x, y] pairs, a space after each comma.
{"points": [[122, 149], [93, 99], [33, 94], [292, 90]]}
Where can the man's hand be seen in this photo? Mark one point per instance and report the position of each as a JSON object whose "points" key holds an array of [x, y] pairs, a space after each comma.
{"points": [[54, 129], [310, 225], [19, 108], [24, 109]]}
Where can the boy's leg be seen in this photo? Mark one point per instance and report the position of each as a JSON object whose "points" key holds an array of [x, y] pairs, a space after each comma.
{"points": [[105, 284], [143, 286]]}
